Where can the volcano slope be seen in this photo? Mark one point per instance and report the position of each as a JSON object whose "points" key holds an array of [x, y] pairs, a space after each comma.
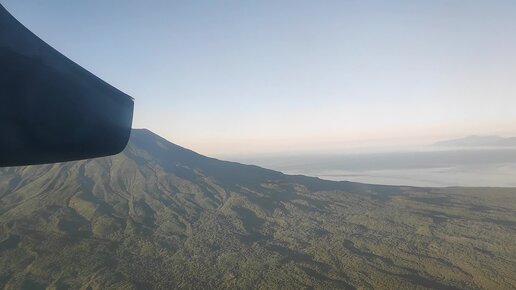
{"points": [[161, 216]]}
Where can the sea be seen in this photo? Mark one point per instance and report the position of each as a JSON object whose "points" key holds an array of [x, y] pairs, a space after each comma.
{"points": [[419, 166]]}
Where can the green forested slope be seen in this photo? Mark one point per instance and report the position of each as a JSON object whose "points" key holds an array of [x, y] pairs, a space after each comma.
{"points": [[160, 216]]}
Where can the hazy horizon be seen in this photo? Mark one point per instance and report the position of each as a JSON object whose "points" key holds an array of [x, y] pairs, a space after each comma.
{"points": [[289, 144], [298, 76], [426, 166]]}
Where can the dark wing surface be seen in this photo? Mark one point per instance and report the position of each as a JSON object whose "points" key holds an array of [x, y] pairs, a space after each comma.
{"points": [[51, 109]]}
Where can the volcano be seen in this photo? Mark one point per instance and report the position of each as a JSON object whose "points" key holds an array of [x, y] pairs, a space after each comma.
{"points": [[161, 216]]}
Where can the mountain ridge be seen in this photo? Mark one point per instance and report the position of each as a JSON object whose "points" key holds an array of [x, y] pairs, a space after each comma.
{"points": [[479, 141], [161, 216]]}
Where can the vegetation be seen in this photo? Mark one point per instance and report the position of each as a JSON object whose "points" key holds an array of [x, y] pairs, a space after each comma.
{"points": [[160, 216]]}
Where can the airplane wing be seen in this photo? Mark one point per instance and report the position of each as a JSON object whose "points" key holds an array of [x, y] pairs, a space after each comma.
{"points": [[51, 109]]}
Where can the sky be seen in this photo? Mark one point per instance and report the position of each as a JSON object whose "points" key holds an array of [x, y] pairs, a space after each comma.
{"points": [[255, 77]]}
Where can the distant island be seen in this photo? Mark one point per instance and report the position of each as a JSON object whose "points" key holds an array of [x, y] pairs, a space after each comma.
{"points": [[479, 141]]}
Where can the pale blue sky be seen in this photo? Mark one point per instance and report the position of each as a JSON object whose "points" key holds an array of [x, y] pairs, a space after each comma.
{"points": [[225, 77]]}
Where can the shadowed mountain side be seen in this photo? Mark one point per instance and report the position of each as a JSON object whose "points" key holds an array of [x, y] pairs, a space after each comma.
{"points": [[161, 216]]}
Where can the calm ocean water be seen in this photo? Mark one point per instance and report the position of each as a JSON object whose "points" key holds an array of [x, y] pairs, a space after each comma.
{"points": [[417, 167]]}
